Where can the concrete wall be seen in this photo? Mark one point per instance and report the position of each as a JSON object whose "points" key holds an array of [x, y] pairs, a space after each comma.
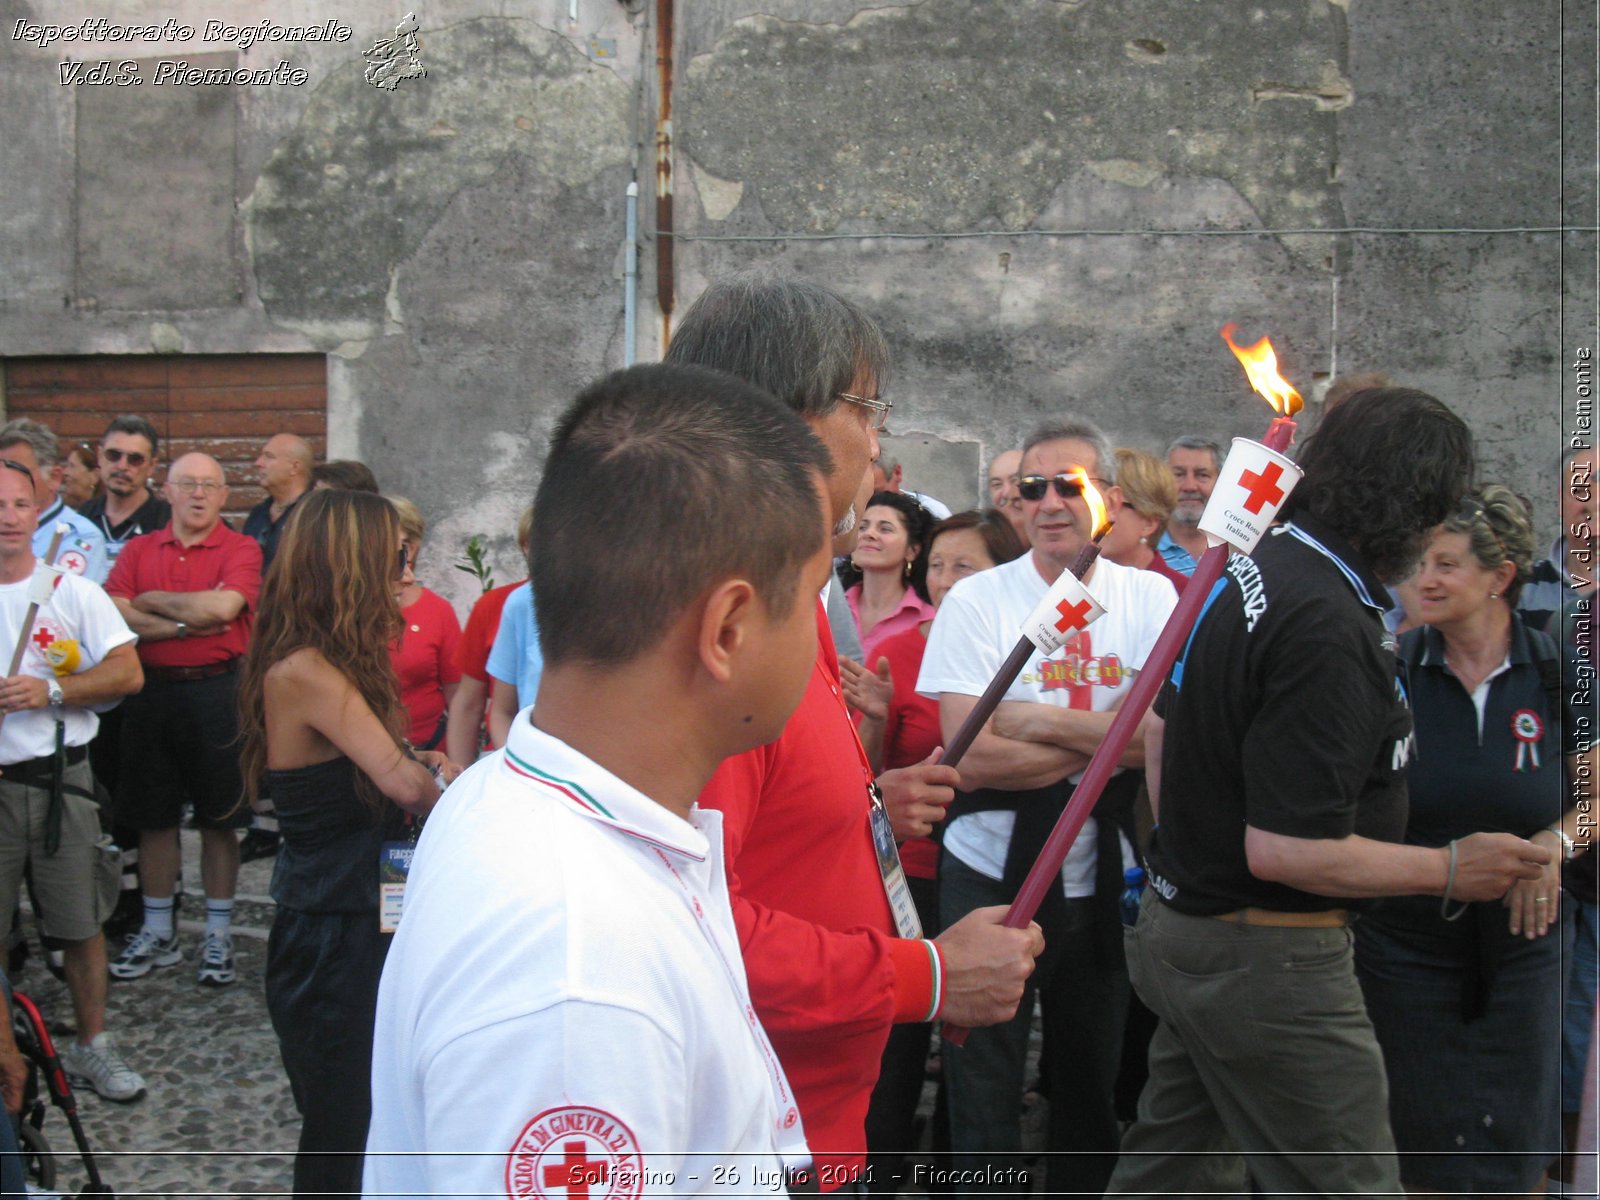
{"points": [[1051, 204]]}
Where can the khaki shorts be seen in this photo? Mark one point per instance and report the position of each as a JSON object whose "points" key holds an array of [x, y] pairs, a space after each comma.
{"points": [[76, 888]]}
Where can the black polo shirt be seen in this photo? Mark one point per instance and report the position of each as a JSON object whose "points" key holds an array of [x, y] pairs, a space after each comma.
{"points": [[1286, 713], [1506, 774], [152, 515], [258, 524]]}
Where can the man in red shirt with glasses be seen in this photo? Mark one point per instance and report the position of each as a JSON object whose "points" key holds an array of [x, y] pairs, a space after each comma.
{"points": [[188, 592]]}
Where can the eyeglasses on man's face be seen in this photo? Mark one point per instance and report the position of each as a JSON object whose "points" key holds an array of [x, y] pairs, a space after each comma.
{"points": [[191, 487], [877, 409], [134, 457]]}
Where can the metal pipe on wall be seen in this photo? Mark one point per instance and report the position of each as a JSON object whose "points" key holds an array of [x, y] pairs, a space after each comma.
{"points": [[665, 294], [630, 276]]}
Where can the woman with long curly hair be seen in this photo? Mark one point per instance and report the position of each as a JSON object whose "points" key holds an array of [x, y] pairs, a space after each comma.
{"points": [[323, 728]]}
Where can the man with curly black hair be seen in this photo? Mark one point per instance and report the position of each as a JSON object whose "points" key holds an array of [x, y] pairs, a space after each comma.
{"points": [[1284, 732]]}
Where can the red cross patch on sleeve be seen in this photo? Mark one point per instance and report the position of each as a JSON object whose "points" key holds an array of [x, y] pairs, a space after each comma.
{"points": [[575, 1154]]}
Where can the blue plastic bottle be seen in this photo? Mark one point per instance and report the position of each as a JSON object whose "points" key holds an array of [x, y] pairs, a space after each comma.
{"points": [[1132, 889]]}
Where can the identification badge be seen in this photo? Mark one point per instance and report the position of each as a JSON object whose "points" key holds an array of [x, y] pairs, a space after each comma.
{"points": [[895, 887], [394, 864]]}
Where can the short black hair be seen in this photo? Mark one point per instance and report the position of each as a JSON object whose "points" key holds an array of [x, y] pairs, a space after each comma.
{"points": [[137, 426], [1385, 466], [800, 341], [662, 481]]}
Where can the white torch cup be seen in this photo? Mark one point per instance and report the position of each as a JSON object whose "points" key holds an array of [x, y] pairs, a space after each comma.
{"points": [[1251, 488]]}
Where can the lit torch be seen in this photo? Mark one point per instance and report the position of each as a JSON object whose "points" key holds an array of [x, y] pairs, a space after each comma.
{"points": [[1260, 363], [1066, 609], [1252, 485]]}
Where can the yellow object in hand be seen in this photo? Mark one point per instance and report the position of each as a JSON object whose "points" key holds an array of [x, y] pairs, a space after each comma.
{"points": [[63, 656]]}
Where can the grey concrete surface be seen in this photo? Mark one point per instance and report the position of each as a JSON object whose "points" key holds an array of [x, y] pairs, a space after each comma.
{"points": [[1051, 204]]}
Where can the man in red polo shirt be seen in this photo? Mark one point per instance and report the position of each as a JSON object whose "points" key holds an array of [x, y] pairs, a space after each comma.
{"points": [[832, 947], [187, 591]]}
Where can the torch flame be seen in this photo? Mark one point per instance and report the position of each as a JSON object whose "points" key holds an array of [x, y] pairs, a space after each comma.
{"points": [[1096, 502], [1260, 363]]}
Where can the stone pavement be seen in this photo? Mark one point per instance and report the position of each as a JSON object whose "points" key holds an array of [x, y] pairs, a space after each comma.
{"points": [[218, 1119]]}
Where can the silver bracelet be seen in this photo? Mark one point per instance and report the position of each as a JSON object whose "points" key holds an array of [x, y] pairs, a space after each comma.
{"points": [[1449, 885], [1567, 844]]}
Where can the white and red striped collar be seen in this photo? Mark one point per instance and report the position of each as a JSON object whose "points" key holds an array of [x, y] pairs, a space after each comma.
{"points": [[586, 787]]}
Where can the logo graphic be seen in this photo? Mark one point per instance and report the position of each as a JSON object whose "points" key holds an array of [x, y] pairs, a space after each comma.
{"points": [[392, 59], [575, 1154], [1528, 730], [1262, 488], [1073, 616], [73, 561]]}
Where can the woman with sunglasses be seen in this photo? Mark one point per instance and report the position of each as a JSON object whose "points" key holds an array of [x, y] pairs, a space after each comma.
{"points": [[323, 728], [886, 578], [899, 728], [1466, 999]]}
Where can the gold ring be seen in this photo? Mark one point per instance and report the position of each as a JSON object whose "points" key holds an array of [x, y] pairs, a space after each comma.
{"points": [[1541, 900]]}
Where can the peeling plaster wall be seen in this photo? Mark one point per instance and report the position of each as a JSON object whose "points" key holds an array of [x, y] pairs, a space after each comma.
{"points": [[1051, 205]]}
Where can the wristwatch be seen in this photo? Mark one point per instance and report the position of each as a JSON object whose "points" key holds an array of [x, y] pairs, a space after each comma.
{"points": [[183, 629], [52, 689]]}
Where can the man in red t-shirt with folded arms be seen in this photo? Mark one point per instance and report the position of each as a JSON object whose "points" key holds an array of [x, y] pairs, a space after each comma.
{"points": [[187, 591], [815, 900]]}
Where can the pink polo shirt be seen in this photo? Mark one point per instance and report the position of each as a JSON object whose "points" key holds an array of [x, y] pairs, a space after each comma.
{"points": [[913, 611]]}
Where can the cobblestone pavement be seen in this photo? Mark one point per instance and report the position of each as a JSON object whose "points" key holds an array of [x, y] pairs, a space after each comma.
{"points": [[218, 1119]]}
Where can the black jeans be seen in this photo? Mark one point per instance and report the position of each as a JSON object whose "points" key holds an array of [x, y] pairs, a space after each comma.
{"points": [[322, 993], [1084, 1000]]}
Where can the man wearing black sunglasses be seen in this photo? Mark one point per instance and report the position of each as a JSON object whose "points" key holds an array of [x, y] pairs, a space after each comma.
{"points": [[1019, 774], [128, 507]]}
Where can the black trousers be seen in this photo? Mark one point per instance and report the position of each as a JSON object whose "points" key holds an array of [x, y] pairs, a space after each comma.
{"points": [[322, 994]]}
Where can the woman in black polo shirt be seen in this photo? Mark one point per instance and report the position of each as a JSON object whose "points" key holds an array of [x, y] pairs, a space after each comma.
{"points": [[1466, 999]]}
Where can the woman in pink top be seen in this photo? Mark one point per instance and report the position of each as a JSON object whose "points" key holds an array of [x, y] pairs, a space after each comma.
{"points": [[888, 571]]}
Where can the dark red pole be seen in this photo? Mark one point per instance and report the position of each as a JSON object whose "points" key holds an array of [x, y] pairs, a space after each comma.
{"points": [[1107, 755]]}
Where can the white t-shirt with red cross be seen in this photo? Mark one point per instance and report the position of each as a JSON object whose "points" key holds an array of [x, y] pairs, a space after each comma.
{"points": [[79, 625], [564, 1011], [977, 626]]}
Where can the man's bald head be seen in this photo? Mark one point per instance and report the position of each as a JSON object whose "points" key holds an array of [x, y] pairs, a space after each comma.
{"points": [[285, 465], [197, 489], [196, 465]]}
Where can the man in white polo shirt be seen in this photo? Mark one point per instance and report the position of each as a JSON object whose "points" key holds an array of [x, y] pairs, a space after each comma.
{"points": [[78, 658], [564, 1011]]}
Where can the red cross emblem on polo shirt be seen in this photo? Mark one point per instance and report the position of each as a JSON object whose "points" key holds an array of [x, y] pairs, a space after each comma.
{"points": [[1073, 616], [576, 1172], [44, 637], [1263, 488]]}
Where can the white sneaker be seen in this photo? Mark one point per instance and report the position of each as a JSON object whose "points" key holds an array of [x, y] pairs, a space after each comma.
{"points": [[216, 960], [143, 951], [100, 1066]]}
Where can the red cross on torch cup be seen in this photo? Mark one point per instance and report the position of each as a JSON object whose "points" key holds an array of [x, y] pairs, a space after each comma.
{"points": [[1073, 616], [1020, 653], [1261, 366]]}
